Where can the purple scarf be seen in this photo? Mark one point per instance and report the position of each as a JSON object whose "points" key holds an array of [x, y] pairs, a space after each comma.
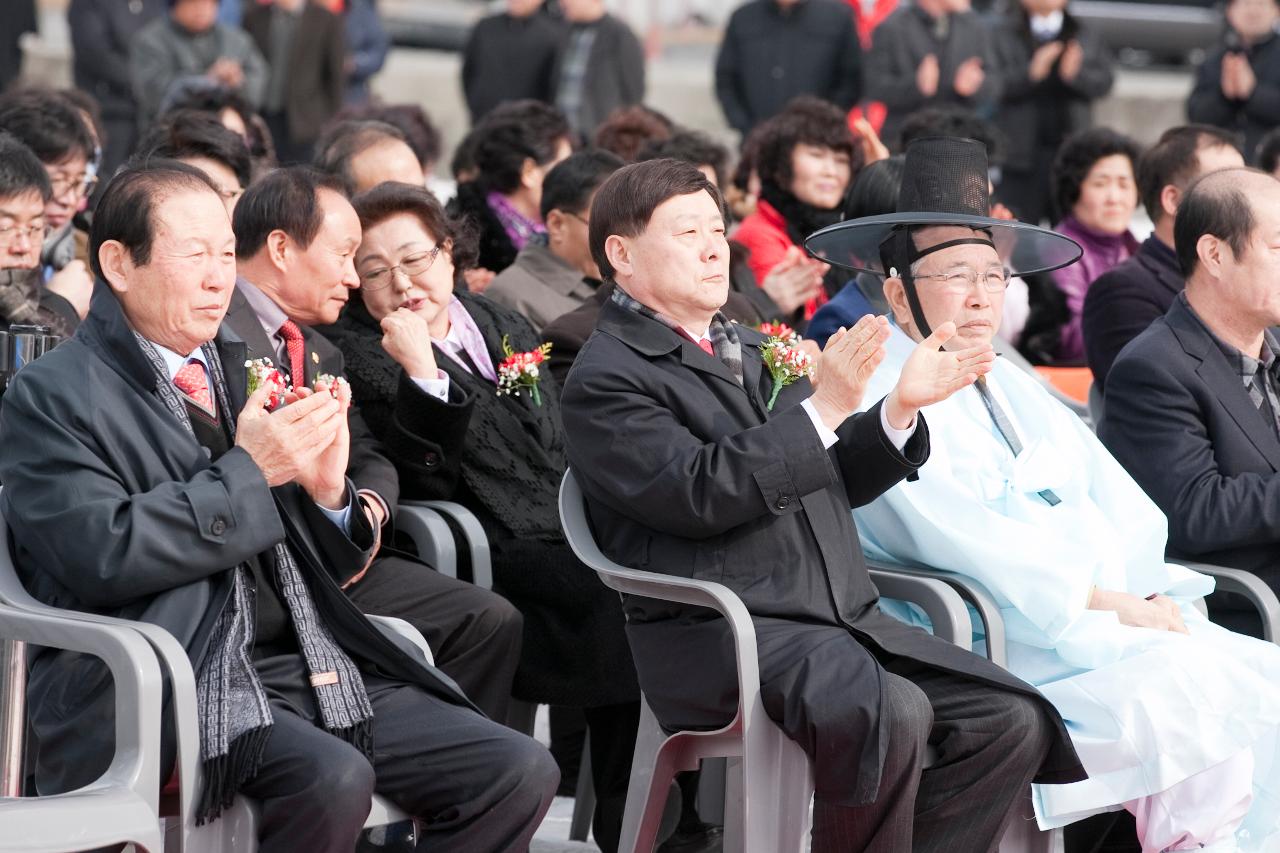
{"points": [[472, 342], [520, 228]]}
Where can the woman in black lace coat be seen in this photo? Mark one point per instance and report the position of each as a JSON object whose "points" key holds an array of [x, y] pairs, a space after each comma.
{"points": [[422, 363]]}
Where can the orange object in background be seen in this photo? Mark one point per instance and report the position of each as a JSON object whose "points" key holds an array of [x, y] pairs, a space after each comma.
{"points": [[1075, 382]]}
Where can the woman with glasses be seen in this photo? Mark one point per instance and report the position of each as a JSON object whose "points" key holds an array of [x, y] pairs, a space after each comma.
{"points": [[423, 364]]}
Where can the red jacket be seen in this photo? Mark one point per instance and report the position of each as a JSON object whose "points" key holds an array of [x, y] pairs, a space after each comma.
{"points": [[764, 235]]}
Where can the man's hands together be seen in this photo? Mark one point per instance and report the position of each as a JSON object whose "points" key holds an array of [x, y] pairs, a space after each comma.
{"points": [[306, 441]]}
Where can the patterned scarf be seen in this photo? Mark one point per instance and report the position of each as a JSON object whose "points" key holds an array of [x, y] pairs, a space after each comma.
{"points": [[520, 228], [724, 337], [235, 717], [466, 331]]}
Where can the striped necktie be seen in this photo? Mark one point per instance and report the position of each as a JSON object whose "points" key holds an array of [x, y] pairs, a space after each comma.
{"points": [[1005, 427]]}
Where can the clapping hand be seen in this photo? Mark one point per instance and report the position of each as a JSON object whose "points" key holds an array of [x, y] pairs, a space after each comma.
{"points": [[927, 76], [794, 280], [305, 442], [1072, 62], [1043, 59], [845, 367], [932, 374], [969, 77]]}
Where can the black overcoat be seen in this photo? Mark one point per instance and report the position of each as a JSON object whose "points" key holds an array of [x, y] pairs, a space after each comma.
{"points": [[686, 473], [114, 508]]}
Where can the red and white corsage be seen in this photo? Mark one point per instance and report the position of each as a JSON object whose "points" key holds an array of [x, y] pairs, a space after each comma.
{"points": [[786, 362], [262, 372], [328, 383], [519, 370], [781, 331]]}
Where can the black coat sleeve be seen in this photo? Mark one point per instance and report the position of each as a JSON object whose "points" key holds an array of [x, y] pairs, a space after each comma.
{"points": [[869, 463], [426, 437], [95, 55], [1114, 314], [730, 80]]}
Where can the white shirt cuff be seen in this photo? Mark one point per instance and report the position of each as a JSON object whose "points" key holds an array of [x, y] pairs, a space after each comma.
{"points": [[826, 436], [438, 387], [897, 437], [340, 517]]}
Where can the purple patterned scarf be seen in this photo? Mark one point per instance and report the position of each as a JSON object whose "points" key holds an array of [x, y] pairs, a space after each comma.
{"points": [[472, 342], [520, 228]]}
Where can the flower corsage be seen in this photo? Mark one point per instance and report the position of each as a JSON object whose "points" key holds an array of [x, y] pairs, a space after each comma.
{"points": [[262, 372], [519, 370], [781, 331], [327, 382], [786, 363]]}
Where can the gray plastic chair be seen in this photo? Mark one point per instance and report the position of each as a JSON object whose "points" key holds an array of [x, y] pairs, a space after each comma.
{"points": [[236, 829], [431, 536], [770, 783], [472, 533], [120, 807], [1097, 404], [1248, 585]]}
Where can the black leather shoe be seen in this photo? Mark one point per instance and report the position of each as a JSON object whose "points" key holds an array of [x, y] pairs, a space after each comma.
{"points": [[703, 838]]}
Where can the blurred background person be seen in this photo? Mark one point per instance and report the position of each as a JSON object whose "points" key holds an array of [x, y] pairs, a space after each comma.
{"points": [[600, 66], [552, 276], [629, 129], [235, 114], [19, 18], [200, 140], [776, 50], [24, 190], [806, 158], [1053, 69], [1238, 86], [305, 47], [100, 37], [513, 148], [510, 56], [191, 49], [367, 46], [1096, 193], [931, 53], [367, 153]]}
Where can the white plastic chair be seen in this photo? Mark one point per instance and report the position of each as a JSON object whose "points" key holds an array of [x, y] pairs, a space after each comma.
{"points": [[770, 783], [235, 831], [120, 807]]}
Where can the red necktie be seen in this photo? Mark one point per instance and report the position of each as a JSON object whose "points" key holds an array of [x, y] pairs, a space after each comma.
{"points": [[706, 346], [294, 345], [190, 380]]}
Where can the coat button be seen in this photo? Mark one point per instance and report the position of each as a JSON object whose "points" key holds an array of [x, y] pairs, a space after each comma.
{"points": [[431, 460], [783, 502], [218, 527]]}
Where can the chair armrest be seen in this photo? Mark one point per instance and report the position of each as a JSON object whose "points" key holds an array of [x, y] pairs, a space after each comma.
{"points": [[137, 684], [472, 532], [943, 605], [431, 535], [973, 593], [1251, 587], [405, 630]]}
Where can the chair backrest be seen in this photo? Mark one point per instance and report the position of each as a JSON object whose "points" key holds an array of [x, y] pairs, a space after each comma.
{"points": [[1096, 405]]}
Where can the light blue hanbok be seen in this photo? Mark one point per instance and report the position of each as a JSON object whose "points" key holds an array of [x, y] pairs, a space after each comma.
{"points": [[1146, 709]]}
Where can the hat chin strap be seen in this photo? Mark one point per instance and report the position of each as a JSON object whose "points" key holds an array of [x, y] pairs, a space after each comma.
{"points": [[899, 244]]}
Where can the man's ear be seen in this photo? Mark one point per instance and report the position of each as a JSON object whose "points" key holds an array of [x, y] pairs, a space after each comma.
{"points": [[895, 292], [277, 248], [1170, 198], [115, 261], [617, 250], [555, 222], [1211, 252]]}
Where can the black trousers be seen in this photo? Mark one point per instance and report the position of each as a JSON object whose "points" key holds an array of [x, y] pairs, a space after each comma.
{"points": [[990, 744], [474, 634], [473, 784]]}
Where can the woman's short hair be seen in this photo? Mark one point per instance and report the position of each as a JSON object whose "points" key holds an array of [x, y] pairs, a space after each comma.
{"points": [[691, 146], [1078, 155], [386, 200], [805, 121], [47, 123], [628, 130], [512, 133], [625, 202], [21, 172]]}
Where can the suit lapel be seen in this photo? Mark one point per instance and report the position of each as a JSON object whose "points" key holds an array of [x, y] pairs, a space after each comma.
{"points": [[244, 322], [1224, 382]]}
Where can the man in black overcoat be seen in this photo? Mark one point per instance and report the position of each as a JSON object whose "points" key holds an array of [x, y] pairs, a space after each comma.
{"points": [[143, 481], [689, 471], [290, 279]]}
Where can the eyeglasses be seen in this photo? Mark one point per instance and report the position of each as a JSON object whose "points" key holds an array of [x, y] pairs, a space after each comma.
{"points": [[411, 267], [961, 280], [9, 234], [82, 184], [583, 220]]}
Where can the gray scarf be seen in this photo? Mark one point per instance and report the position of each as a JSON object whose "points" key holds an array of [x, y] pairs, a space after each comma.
{"points": [[724, 337], [235, 717]]}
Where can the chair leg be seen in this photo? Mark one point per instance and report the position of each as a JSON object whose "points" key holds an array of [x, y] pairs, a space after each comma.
{"points": [[652, 771], [777, 789], [584, 798]]}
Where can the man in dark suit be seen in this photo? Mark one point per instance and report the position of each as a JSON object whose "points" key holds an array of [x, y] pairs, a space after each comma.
{"points": [[688, 471], [1131, 296], [179, 500], [1192, 402], [296, 239]]}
